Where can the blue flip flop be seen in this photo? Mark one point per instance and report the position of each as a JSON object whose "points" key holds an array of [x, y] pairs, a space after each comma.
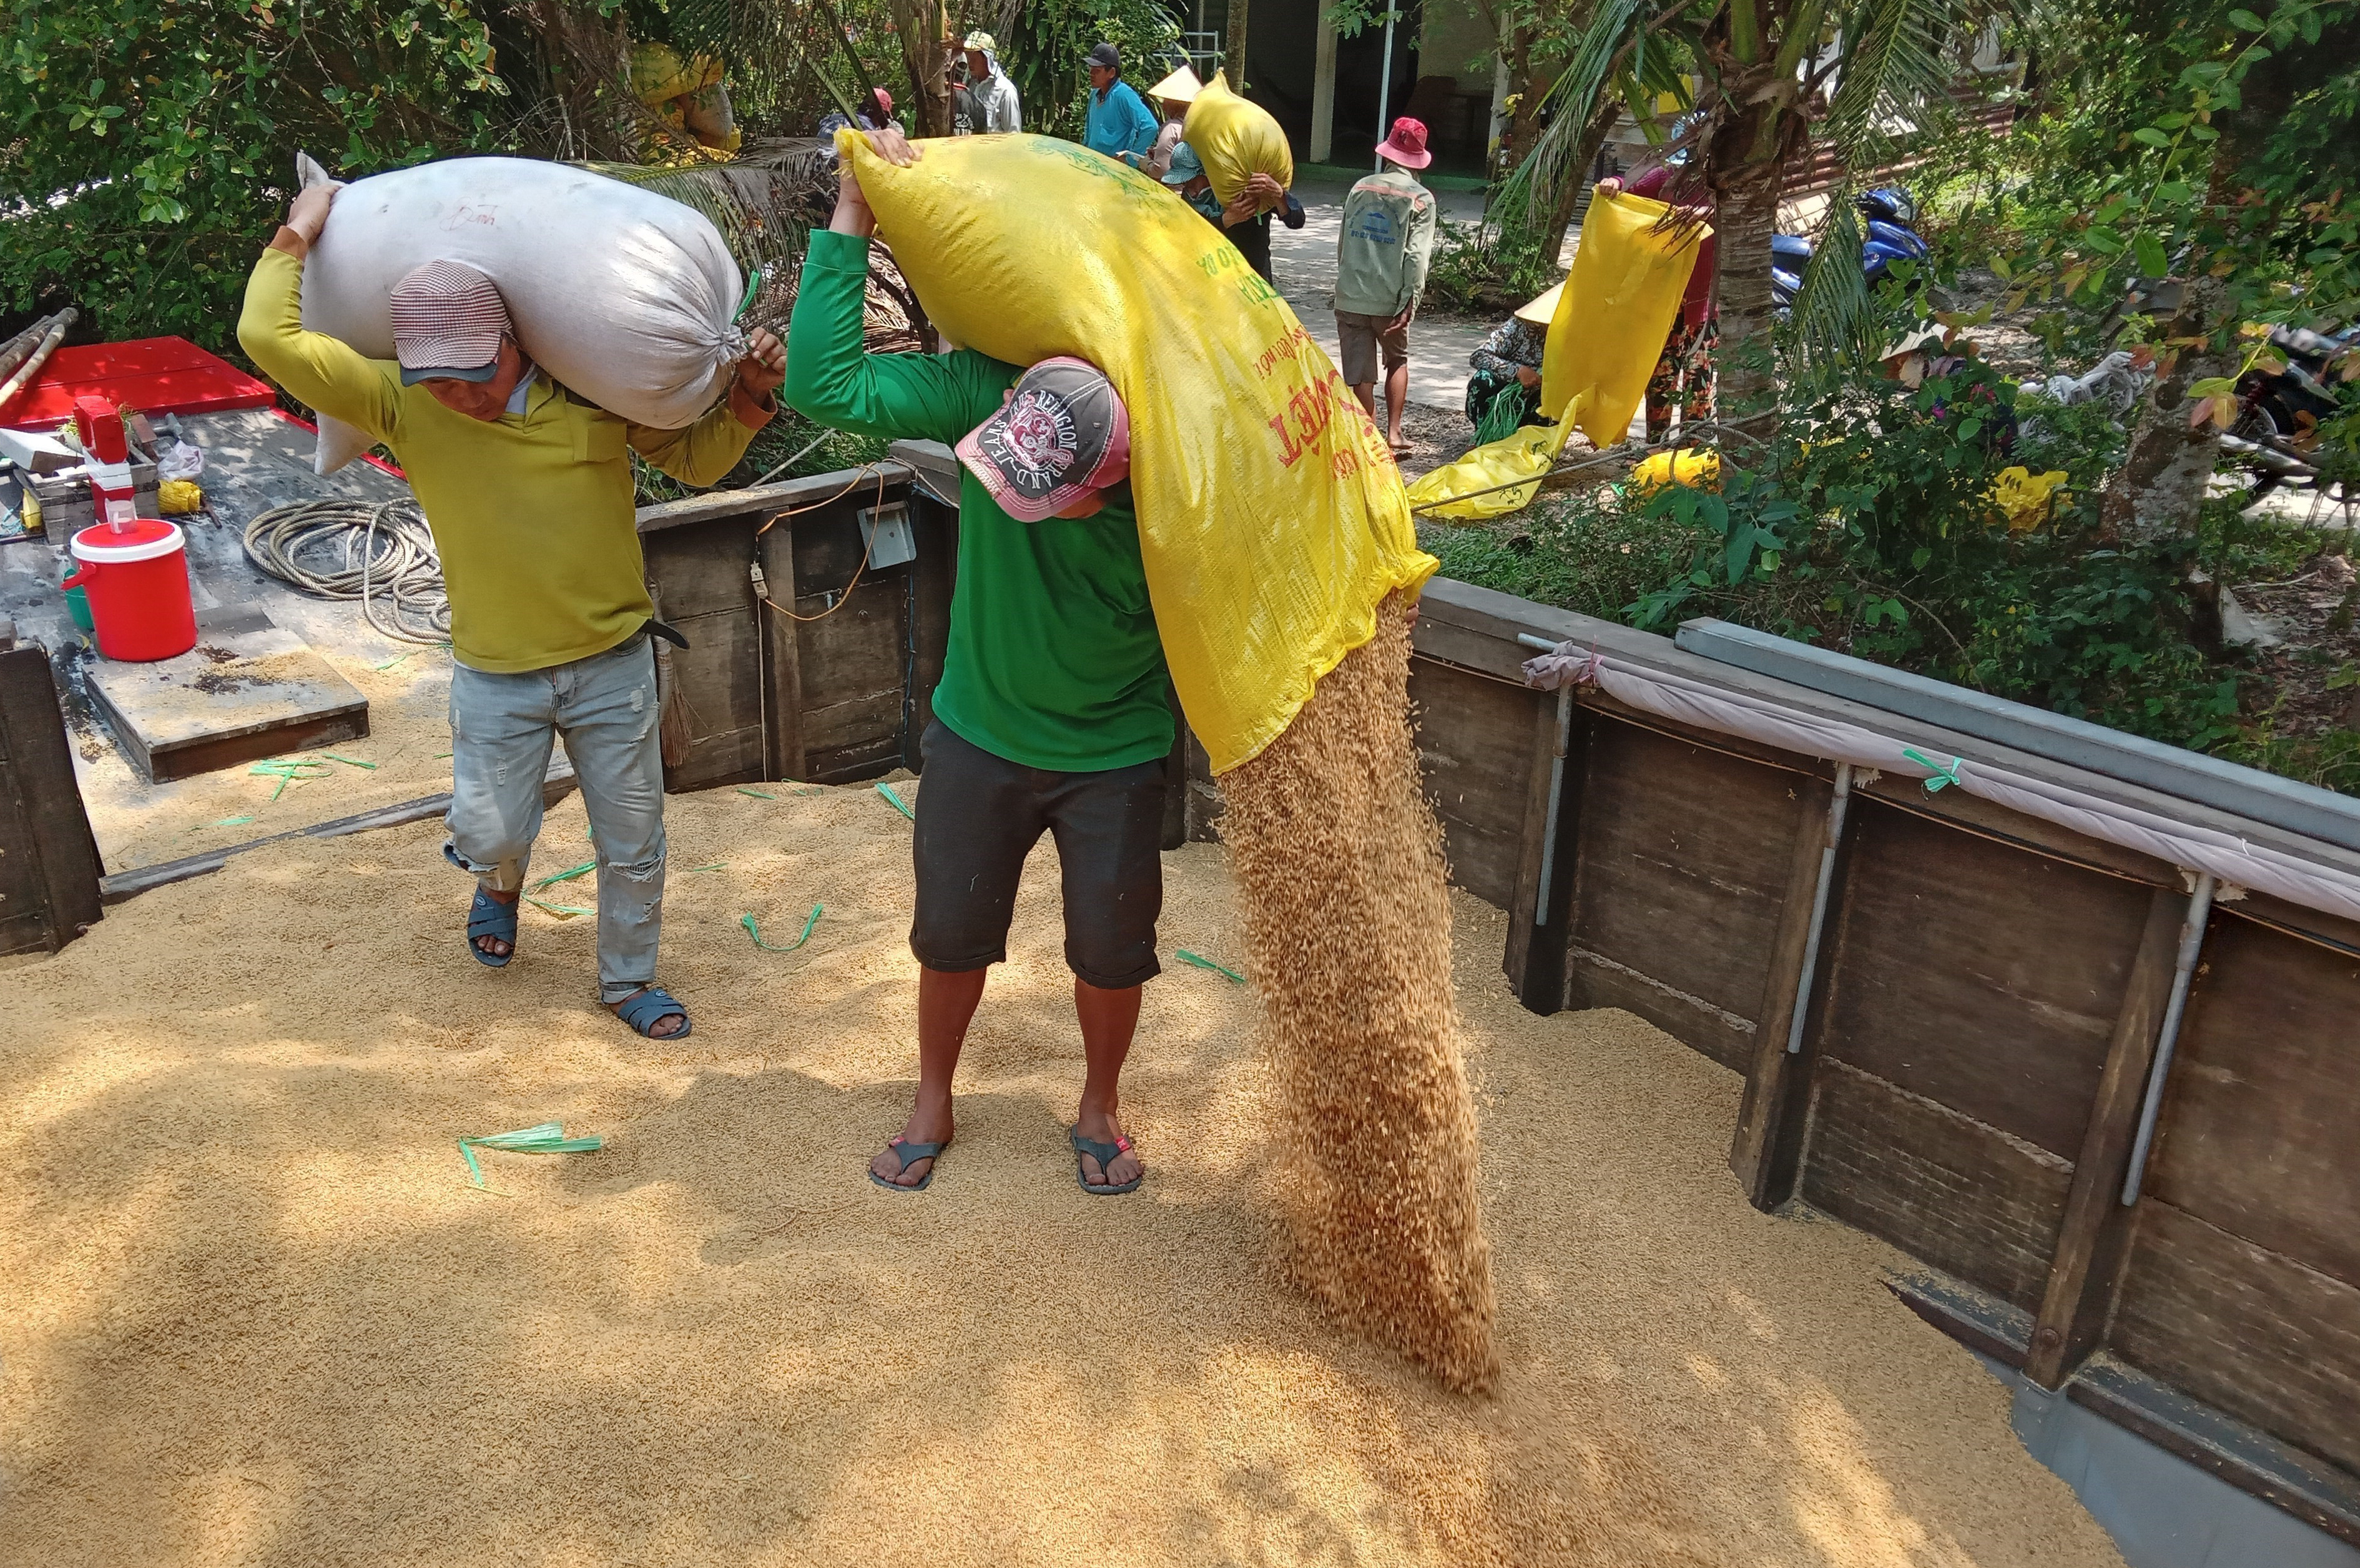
{"points": [[488, 917], [1105, 1154], [909, 1153], [651, 1007]]}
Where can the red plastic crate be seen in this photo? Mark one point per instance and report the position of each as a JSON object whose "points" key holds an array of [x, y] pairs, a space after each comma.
{"points": [[154, 375]]}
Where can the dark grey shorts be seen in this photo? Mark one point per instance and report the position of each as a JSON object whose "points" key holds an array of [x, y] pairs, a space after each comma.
{"points": [[980, 815]]}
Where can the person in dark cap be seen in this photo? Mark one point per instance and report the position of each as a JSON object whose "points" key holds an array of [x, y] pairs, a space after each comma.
{"points": [[1118, 120], [1052, 715]]}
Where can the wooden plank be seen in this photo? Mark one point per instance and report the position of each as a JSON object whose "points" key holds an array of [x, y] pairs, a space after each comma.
{"points": [[2095, 1232], [1976, 1318], [1537, 934], [868, 759], [829, 551], [781, 650], [718, 676], [1683, 870], [936, 528], [758, 503], [2243, 1328], [1766, 1147], [51, 858], [855, 650], [1470, 731], [703, 570], [249, 688], [1944, 1188], [1983, 977], [555, 786], [864, 722], [1957, 808], [2256, 1135]]}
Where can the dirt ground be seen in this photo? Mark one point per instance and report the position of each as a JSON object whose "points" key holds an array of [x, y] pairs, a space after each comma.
{"points": [[258, 1316]]}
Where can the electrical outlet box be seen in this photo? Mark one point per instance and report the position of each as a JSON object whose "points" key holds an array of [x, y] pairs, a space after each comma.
{"points": [[885, 532]]}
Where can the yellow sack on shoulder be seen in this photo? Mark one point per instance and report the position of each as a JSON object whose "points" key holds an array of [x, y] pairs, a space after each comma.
{"points": [[1271, 515], [1617, 305], [1236, 139]]}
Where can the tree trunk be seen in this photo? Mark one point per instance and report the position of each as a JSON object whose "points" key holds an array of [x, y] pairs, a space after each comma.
{"points": [[1568, 195], [2160, 486], [1233, 53], [1745, 216], [920, 25]]}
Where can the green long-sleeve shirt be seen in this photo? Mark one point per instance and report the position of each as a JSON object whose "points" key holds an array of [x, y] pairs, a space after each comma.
{"points": [[531, 512], [1054, 659]]}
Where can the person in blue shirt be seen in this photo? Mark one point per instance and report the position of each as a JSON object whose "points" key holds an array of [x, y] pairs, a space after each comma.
{"points": [[1118, 120]]}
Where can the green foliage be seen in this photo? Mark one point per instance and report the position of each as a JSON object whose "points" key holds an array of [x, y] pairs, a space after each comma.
{"points": [[1589, 552], [1478, 266], [1051, 37], [151, 147], [788, 447]]}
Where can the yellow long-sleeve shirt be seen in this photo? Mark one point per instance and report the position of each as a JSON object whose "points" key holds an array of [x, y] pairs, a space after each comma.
{"points": [[531, 513]]}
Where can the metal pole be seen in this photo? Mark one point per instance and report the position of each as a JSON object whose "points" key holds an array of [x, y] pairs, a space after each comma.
{"points": [[1837, 806], [1384, 90], [2183, 971], [1556, 783]]}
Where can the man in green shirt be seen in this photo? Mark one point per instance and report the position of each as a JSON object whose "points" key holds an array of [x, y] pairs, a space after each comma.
{"points": [[1052, 715], [527, 489]]}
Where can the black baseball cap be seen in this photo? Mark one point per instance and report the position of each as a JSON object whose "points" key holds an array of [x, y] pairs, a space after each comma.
{"points": [[1105, 55]]}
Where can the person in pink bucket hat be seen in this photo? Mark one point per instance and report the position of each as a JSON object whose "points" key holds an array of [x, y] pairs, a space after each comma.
{"points": [[1382, 251]]}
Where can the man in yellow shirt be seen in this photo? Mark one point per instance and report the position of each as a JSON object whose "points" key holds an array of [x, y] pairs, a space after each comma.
{"points": [[528, 490]]}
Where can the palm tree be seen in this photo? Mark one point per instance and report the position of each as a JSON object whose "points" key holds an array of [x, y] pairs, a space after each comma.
{"points": [[1774, 76]]}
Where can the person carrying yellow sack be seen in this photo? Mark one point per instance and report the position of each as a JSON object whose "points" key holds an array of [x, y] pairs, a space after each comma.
{"points": [[1052, 715]]}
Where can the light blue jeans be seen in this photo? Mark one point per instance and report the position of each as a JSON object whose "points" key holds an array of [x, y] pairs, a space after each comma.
{"points": [[501, 728]]}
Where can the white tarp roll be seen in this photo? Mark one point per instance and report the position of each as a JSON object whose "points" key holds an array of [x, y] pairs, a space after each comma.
{"points": [[625, 296], [2228, 857]]}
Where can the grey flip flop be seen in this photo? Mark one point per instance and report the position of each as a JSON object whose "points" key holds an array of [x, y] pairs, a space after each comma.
{"points": [[1104, 1153]]}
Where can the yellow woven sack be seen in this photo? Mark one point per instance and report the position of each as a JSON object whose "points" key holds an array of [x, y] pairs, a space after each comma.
{"points": [[1483, 483], [1695, 467], [1617, 308], [1271, 515], [1236, 139]]}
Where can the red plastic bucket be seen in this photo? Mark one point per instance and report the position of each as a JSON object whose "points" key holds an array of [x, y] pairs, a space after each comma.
{"points": [[137, 581]]}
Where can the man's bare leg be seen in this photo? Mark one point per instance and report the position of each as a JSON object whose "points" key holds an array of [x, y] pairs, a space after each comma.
{"points": [[1108, 1019], [945, 1005], [1367, 393], [1396, 398]]}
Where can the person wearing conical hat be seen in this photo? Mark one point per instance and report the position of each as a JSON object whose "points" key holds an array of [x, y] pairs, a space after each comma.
{"points": [[1171, 98], [1504, 392]]}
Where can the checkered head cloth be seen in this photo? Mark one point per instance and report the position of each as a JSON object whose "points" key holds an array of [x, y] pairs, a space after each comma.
{"points": [[448, 321]]}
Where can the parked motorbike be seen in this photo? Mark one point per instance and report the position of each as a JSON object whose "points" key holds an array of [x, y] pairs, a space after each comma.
{"points": [[2275, 405], [1892, 214]]}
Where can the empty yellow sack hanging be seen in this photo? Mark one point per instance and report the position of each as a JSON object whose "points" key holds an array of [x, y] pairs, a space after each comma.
{"points": [[1236, 139], [1271, 515], [1483, 482], [1617, 308]]}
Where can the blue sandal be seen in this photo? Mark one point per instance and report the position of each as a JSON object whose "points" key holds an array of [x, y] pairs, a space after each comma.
{"points": [[488, 917], [1105, 1154], [909, 1153], [650, 1007]]}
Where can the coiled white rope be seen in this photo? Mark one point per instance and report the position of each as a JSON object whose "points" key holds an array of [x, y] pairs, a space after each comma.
{"points": [[379, 553]]}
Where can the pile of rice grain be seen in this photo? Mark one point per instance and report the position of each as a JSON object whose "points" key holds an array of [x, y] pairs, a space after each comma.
{"points": [[1348, 929]]}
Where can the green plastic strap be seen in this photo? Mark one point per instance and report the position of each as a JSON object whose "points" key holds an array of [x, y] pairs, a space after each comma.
{"points": [[1201, 961], [554, 878], [287, 769], [549, 1138], [562, 912], [899, 805], [1942, 775], [754, 931], [349, 761], [753, 287], [224, 822], [757, 794]]}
